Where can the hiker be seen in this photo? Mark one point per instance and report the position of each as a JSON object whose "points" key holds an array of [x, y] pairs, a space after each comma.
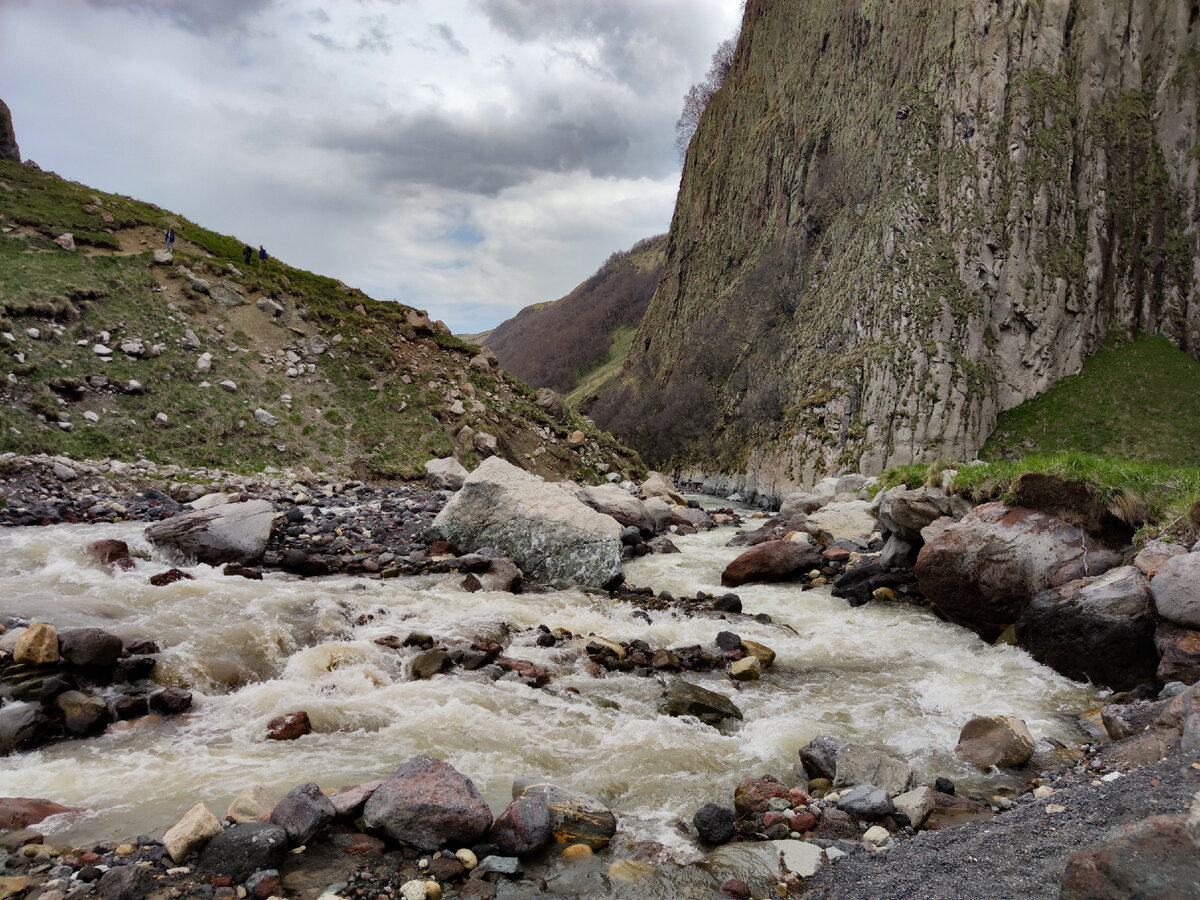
{"points": [[247, 253], [262, 255], [170, 239]]}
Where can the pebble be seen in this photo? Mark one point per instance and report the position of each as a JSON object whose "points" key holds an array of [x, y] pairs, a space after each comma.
{"points": [[577, 851], [467, 858]]}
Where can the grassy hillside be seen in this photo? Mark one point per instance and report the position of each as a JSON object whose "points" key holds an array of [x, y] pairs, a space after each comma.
{"points": [[557, 344], [354, 385]]}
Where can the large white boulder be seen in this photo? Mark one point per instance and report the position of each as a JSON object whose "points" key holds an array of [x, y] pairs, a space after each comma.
{"points": [[552, 536], [620, 504], [850, 521], [230, 532]]}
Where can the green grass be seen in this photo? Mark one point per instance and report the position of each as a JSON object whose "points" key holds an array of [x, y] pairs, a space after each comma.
{"points": [[1133, 400]]}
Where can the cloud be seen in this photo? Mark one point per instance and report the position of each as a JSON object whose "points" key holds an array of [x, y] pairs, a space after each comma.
{"points": [[201, 17], [446, 33]]}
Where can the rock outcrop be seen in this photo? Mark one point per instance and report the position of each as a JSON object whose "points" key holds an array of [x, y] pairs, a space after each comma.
{"points": [[897, 220], [8, 137]]}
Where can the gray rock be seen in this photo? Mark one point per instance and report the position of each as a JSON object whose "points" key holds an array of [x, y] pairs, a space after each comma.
{"points": [[819, 757], [23, 725], [1000, 741], [428, 663], [865, 801], [445, 474], [549, 534], [265, 418], [685, 699], [856, 764], [89, 647], [127, 882], [501, 865], [550, 402], [269, 307], [1176, 590], [66, 241], [232, 532], [1100, 629], [8, 136], [611, 500], [241, 850], [303, 812], [83, 714], [898, 553], [429, 805]]}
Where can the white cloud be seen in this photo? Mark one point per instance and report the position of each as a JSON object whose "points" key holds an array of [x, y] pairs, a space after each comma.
{"points": [[469, 156]]}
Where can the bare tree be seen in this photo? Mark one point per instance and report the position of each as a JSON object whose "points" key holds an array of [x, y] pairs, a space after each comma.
{"points": [[696, 99]]}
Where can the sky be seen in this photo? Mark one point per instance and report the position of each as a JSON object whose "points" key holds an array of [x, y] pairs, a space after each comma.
{"points": [[467, 157]]}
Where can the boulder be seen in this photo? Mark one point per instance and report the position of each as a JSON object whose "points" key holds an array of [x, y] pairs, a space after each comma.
{"points": [[445, 474], [232, 532], [819, 757], [904, 512], [916, 804], [549, 534], [189, 834], [550, 403], [613, 501], [982, 571], [66, 241], [746, 669], [125, 883], [8, 137], [660, 486], [574, 818], [428, 804], [82, 714], [522, 828], [849, 521], [1095, 629], [685, 699], [696, 518], [17, 813], [772, 561], [24, 725], [1176, 590], [999, 741], [1151, 858], [90, 647], [241, 850], [348, 801], [251, 804], [1179, 653], [1151, 557], [37, 646], [303, 812], [799, 503], [856, 764], [714, 823], [110, 552], [289, 726], [867, 802], [500, 575]]}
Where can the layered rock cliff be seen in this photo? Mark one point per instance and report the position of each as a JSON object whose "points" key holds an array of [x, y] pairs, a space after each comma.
{"points": [[8, 138], [900, 217]]}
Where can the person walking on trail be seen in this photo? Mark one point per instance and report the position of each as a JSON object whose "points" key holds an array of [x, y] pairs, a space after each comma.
{"points": [[247, 253], [170, 239], [262, 255]]}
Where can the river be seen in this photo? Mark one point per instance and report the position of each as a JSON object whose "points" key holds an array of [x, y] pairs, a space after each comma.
{"points": [[891, 676]]}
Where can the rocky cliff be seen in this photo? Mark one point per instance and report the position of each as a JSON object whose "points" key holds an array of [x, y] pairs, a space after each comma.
{"points": [[898, 219], [8, 138]]}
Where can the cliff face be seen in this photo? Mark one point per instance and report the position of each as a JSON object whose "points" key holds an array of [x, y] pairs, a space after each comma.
{"points": [[900, 217], [8, 138]]}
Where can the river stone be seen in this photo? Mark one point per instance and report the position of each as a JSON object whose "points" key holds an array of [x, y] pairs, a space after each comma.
{"points": [[1000, 741], [429, 804], [696, 518], [303, 811], [21, 812], [660, 486], [289, 726], [549, 534], [660, 513], [753, 796], [232, 532], [23, 725], [982, 571], [575, 818], [251, 804], [819, 757], [765, 654], [866, 801], [682, 698], [171, 701], [190, 833], [348, 801], [611, 500], [499, 575], [83, 714], [916, 804], [37, 646], [850, 521], [428, 663], [125, 883], [90, 647], [856, 764], [1176, 590], [111, 552], [714, 823], [1099, 630], [772, 561], [1151, 858], [445, 474], [241, 850], [1152, 557], [746, 669], [522, 828], [1179, 652]]}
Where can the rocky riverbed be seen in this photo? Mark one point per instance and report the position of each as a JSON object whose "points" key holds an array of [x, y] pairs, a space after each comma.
{"points": [[845, 816]]}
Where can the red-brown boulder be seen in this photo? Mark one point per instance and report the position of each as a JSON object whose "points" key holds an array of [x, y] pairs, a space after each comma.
{"points": [[772, 561]]}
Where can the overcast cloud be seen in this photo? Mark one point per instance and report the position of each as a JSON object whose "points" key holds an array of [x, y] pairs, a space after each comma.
{"points": [[469, 157]]}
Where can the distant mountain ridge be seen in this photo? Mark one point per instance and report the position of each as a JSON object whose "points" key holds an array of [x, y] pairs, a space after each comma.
{"points": [[555, 344]]}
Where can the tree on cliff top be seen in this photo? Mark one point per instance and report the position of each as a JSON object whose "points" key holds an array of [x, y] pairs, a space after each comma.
{"points": [[698, 95]]}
